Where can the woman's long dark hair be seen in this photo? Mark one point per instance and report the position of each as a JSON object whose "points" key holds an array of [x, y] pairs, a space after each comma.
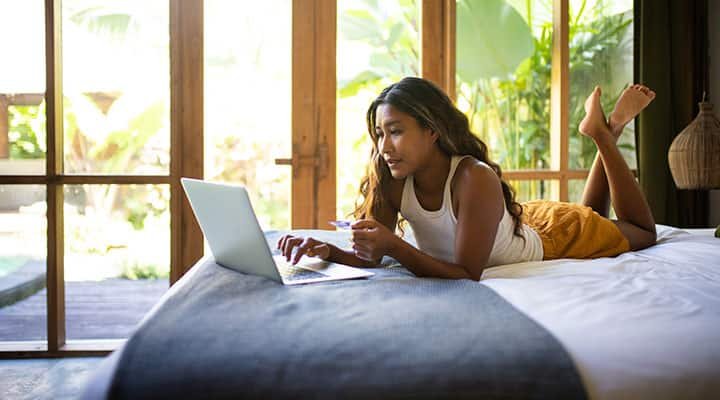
{"points": [[432, 109]]}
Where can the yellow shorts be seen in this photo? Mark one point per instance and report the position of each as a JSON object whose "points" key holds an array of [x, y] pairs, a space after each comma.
{"points": [[570, 230]]}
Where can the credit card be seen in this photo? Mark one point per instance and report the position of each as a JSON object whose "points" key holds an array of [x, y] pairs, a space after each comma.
{"points": [[341, 224]]}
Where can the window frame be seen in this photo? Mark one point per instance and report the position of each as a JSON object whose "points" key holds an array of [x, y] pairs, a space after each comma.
{"points": [[186, 159], [438, 19]]}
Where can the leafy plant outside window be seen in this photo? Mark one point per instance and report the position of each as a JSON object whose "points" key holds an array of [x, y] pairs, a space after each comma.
{"points": [[504, 63]]}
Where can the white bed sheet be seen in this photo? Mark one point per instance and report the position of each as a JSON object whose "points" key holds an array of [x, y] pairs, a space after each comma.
{"points": [[643, 325]]}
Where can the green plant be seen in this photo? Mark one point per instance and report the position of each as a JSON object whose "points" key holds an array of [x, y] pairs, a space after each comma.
{"points": [[393, 39], [504, 62], [600, 46], [111, 142], [510, 96], [507, 98], [119, 131], [388, 31], [134, 270], [26, 132], [123, 130]]}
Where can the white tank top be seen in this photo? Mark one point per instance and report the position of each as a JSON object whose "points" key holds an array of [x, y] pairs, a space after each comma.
{"points": [[435, 230]]}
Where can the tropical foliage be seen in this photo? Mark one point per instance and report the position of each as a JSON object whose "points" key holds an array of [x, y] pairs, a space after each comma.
{"points": [[504, 59], [114, 123], [378, 45], [247, 100], [26, 132], [392, 38]]}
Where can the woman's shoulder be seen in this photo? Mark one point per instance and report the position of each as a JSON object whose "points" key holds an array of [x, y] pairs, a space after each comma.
{"points": [[471, 170], [475, 178]]}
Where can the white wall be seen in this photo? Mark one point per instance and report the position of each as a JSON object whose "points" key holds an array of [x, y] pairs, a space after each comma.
{"points": [[714, 43]]}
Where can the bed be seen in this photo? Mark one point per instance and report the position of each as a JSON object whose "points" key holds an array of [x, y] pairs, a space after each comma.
{"points": [[643, 325]]}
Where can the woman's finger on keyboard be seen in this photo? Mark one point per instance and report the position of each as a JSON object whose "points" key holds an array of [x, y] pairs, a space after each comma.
{"points": [[303, 248], [281, 242], [290, 243]]}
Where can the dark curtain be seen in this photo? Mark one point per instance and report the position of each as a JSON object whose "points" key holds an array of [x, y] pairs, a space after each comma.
{"points": [[670, 58]]}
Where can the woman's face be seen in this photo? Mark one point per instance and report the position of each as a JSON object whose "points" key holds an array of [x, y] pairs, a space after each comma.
{"points": [[403, 144]]}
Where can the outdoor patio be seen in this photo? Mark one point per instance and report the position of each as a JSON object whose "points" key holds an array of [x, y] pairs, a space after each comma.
{"points": [[100, 255], [107, 309]]}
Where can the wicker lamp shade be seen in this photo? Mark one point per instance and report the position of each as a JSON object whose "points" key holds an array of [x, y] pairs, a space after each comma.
{"points": [[694, 155]]}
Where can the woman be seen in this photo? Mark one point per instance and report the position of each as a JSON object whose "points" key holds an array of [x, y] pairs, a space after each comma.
{"points": [[428, 167]]}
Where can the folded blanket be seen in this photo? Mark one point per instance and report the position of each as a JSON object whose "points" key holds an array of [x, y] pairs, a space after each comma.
{"points": [[225, 334]]}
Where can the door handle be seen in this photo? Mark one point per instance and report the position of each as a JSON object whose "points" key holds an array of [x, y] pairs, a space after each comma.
{"points": [[319, 161], [283, 161]]}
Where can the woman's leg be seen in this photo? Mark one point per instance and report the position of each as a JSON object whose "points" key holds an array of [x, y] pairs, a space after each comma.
{"points": [[633, 100], [635, 220]]}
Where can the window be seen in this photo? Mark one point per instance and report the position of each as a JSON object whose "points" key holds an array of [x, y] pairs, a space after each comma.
{"points": [[506, 54], [503, 85], [377, 45], [116, 102], [23, 224], [85, 191], [601, 53], [248, 101]]}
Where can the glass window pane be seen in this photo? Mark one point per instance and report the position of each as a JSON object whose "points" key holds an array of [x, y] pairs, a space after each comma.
{"points": [[532, 190], [575, 191], [23, 250], [116, 86], [504, 53], [248, 59], [601, 53], [22, 88], [377, 46], [117, 256]]}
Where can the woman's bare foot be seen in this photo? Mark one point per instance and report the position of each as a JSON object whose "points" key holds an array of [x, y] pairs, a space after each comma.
{"points": [[594, 125], [632, 100]]}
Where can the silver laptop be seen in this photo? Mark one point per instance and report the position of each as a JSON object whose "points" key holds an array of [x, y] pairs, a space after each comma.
{"points": [[228, 222]]}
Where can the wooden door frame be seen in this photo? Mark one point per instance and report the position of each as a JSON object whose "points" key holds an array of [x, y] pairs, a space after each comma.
{"points": [[437, 43], [314, 86], [560, 101], [186, 129]]}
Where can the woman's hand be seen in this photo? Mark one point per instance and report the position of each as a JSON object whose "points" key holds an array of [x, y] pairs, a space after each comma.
{"points": [[371, 240], [304, 246]]}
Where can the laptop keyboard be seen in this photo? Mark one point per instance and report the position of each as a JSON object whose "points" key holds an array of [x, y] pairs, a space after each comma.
{"points": [[292, 272]]}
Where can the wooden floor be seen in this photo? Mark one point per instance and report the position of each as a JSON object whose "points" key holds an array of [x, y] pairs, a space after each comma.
{"points": [[108, 309], [46, 378]]}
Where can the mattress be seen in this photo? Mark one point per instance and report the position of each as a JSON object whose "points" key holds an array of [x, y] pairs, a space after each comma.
{"points": [[644, 324]]}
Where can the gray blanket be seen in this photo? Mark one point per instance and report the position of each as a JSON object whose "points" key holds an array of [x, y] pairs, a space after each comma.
{"points": [[229, 335]]}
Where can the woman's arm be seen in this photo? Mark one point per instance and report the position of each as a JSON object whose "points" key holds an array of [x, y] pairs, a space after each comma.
{"points": [[481, 206], [387, 216], [294, 247], [424, 265], [348, 257], [372, 240]]}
